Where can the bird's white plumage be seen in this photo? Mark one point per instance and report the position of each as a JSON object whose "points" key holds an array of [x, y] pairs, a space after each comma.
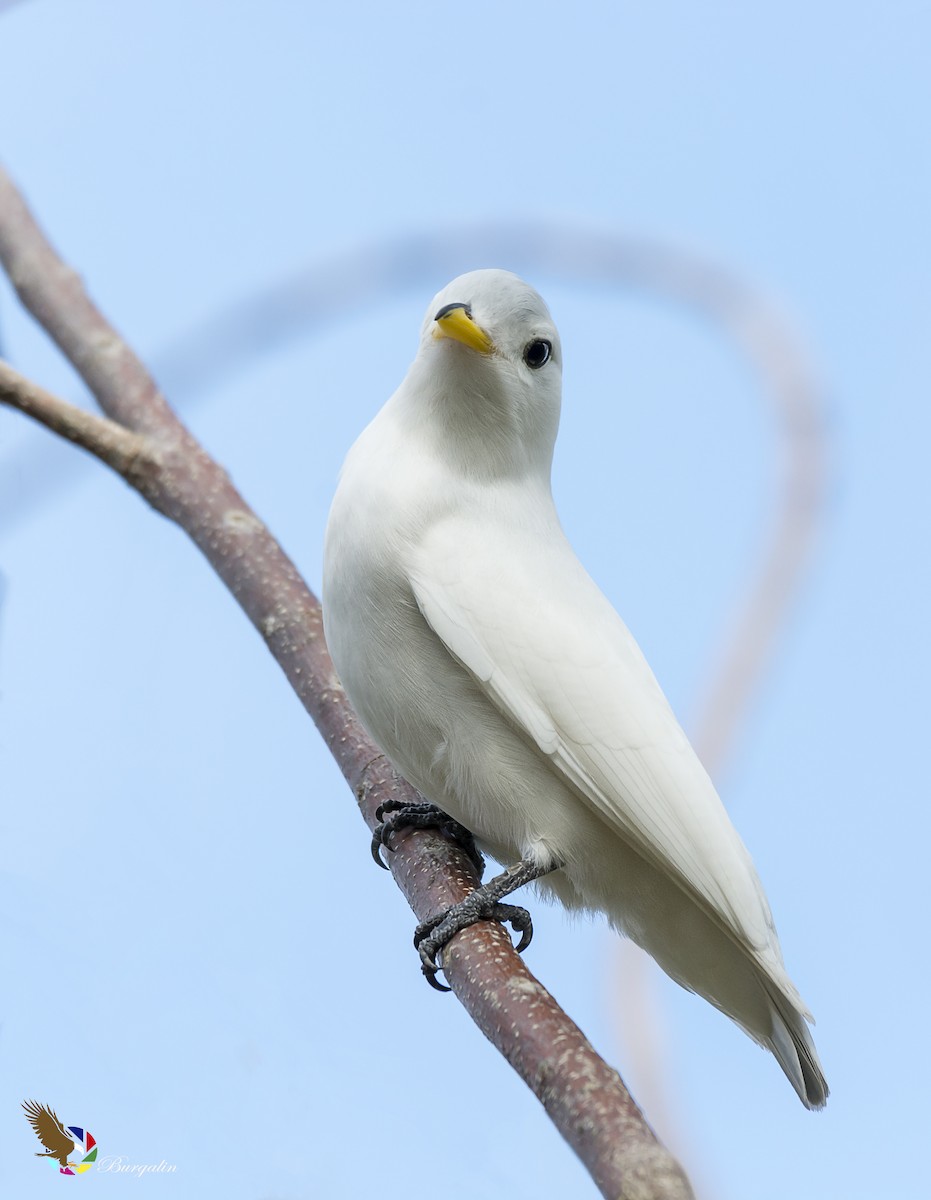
{"points": [[493, 672], [593, 707]]}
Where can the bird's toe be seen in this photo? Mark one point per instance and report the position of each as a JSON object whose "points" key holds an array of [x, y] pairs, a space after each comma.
{"points": [[394, 815]]}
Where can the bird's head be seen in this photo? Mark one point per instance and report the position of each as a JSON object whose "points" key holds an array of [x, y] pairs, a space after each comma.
{"points": [[488, 372]]}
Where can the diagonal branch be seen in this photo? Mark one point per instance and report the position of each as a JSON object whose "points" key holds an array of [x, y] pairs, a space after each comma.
{"points": [[146, 444], [54, 293]]}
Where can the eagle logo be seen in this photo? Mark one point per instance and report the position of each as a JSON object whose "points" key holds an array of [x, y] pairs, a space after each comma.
{"points": [[59, 1142]]}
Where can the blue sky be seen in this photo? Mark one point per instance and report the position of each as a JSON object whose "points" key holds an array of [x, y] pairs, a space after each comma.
{"points": [[201, 964]]}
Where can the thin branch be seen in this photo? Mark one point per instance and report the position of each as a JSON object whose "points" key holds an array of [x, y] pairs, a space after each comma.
{"points": [[110, 442], [54, 294], [584, 1097]]}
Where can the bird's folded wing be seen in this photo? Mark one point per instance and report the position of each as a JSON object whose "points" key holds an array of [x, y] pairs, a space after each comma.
{"points": [[550, 652]]}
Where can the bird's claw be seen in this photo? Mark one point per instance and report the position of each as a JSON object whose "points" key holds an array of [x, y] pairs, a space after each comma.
{"points": [[431, 936], [381, 835], [421, 816]]}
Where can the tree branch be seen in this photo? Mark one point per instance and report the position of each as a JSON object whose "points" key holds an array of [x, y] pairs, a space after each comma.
{"points": [[146, 443], [54, 294], [110, 442]]}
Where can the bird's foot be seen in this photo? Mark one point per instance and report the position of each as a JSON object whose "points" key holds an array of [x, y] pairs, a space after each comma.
{"points": [[421, 816], [484, 904]]}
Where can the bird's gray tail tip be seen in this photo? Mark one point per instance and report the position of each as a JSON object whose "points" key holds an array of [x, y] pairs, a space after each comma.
{"points": [[795, 1051]]}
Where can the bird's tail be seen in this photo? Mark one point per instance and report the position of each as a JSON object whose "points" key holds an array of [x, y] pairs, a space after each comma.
{"points": [[792, 1044]]}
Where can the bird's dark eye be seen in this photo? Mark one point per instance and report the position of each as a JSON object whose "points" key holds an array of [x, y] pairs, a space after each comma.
{"points": [[537, 352]]}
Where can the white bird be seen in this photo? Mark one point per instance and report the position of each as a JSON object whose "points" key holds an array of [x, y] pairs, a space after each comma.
{"points": [[498, 679]]}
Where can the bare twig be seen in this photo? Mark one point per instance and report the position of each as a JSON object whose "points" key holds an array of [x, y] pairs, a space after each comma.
{"points": [[55, 296], [110, 442], [146, 443]]}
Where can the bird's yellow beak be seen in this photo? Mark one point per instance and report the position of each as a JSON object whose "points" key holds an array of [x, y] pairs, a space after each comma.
{"points": [[455, 321]]}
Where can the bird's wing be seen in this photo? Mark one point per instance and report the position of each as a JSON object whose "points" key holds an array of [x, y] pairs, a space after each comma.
{"points": [[524, 618], [49, 1130]]}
